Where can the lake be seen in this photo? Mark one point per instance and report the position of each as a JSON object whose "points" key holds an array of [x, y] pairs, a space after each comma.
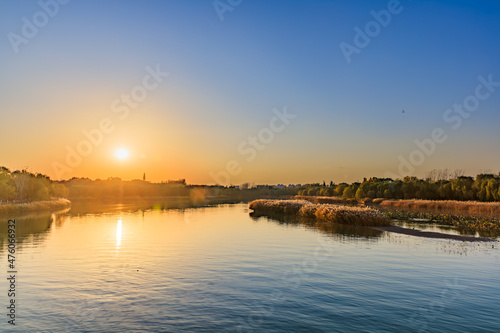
{"points": [[218, 269]]}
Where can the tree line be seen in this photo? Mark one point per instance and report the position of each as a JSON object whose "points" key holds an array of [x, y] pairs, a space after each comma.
{"points": [[80, 188], [24, 186], [484, 187]]}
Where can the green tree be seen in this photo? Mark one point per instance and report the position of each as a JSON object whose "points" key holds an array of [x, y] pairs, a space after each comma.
{"points": [[360, 194], [7, 190], [59, 191], [350, 191]]}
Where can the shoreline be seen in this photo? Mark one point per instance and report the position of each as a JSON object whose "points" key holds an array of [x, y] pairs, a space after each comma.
{"points": [[268, 206], [34, 206], [467, 215]]}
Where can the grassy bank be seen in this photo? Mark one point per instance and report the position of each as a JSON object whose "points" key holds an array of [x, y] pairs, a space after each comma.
{"points": [[451, 205], [470, 216], [323, 200], [361, 216], [48, 205], [468, 224], [336, 200], [469, 206]]}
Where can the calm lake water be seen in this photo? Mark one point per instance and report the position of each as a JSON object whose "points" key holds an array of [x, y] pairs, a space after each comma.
{"points": [[217, 269]]}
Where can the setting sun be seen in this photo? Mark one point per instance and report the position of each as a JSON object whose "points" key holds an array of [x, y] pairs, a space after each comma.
{"points": [[121, 153]]}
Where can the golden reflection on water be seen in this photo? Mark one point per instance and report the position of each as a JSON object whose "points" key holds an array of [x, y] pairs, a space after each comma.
{"points": [[119, 234]]}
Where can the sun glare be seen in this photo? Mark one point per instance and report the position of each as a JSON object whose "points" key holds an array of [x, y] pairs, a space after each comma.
{"points": [[119, 234], [121, 153]]}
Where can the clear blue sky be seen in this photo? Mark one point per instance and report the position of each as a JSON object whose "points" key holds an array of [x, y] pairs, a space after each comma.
{"points": [[227, 76]]}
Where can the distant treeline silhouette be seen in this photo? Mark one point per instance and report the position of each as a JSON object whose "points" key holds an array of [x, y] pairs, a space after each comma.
{"points": [[24, 186], [485, 187], [116, 188], [113, 188]]}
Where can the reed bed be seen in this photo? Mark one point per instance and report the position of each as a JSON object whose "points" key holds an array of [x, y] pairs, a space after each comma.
{"points": [[485, 226], [470, 206], [361, 216], [378, 201], [322, 199], [331, 200], [53, 204], [288, 207]]}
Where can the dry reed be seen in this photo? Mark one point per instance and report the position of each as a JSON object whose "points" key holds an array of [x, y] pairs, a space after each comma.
{"points": [[361, 216], [470, 206], [321, 199], [34, 206]]}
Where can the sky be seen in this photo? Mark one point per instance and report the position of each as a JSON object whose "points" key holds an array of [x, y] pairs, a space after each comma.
{"points": [[262, 91]]}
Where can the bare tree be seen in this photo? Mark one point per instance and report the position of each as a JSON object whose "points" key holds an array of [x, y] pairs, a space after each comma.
{"points": [[458, 173], [431, 175], [443, 174], [21, 179]]}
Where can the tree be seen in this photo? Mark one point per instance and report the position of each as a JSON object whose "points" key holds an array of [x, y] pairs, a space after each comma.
{"points": [[350, 191], [59, 191], [360, 194], [42, 194], [339, 190], [7, 190], [21, 180]]}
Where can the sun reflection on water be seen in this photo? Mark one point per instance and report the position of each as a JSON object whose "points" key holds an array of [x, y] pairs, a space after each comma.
{"points": [[118, 234]]}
